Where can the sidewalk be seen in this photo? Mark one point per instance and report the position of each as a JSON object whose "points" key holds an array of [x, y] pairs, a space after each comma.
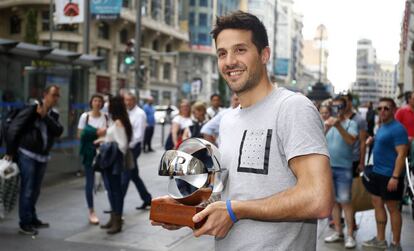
{"points": [[62, 203]]}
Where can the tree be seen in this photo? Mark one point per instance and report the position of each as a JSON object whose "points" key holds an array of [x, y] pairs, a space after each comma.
{"points": [[31, 35]]}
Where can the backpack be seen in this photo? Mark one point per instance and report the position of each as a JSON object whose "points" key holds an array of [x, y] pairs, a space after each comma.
{"points": [[5, 123]]}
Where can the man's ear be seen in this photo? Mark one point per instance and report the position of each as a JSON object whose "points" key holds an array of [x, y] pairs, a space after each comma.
{"points": [[265, 55]]}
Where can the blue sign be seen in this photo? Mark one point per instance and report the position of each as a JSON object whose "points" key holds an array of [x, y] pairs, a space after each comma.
{"points": [[282, 66], [106, 9], [186, 88]]}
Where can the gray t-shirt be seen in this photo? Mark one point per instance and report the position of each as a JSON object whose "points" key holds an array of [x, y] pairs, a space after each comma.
{"points": [[362, 125], [256, 144]]}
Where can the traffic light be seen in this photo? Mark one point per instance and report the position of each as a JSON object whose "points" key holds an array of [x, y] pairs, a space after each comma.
{"points": [[129, 52]]}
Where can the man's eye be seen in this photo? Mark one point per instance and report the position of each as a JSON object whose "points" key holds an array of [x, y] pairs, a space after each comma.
{"points": [[221, 54], [240, 50]]}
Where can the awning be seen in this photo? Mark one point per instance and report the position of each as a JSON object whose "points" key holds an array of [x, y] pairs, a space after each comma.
{"points": [[33, 51]]}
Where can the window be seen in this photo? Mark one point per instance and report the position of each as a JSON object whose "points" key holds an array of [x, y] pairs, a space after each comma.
{"points": [[167, 71], [166, 97], [168, 48], [103, 30], [192, 3], [192, 18], [15, 25], [169, 12], [123, 36], [156, 9], [126, 3], [144, 7], [155, 45], [45, 20], [202, 19], [69, 46], [154, 68], [203, 39], [102, 52], [155, 95], [67, 27], [204, 3]]}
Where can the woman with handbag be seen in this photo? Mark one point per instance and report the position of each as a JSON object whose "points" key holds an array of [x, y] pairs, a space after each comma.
{"points": [[92, 125], [115, 143]]}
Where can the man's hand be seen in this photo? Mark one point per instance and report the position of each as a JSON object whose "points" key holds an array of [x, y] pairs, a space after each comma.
{"points": [[165, 225], [361, 167], [218, 221], [392, 185], [8, 157], [41, 110]]}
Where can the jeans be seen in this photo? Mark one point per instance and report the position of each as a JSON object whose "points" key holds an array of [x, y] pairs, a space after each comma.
{"points": [[31, 173], [90, 183], [342, 179], [149, 131], [128, 175], [116, 200]]}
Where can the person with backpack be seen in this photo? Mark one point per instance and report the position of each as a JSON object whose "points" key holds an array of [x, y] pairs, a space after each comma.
{"points": [[92, 125], [30, 136]]}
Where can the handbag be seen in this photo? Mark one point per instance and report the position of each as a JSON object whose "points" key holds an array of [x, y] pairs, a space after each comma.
{"points": [[9, 186], [361, 198]]}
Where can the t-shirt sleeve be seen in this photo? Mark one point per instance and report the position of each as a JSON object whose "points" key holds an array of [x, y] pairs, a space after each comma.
{"points": [[400, 136], [353, 128], [300, 128], [82, 121]]}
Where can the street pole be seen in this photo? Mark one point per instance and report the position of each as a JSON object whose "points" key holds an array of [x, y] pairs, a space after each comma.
{"points": [[138, 83], [86, 29], [51, 23]]}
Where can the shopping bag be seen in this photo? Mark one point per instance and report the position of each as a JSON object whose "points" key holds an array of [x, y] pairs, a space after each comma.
{"points": [[361, 199], [9, 186]]}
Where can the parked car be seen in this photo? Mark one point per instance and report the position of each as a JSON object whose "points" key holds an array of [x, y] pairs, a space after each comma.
{"points": [[161, 113]]}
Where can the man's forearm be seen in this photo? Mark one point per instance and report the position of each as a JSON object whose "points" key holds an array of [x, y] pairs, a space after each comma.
{"points": [[399, 165], [349, 139]]}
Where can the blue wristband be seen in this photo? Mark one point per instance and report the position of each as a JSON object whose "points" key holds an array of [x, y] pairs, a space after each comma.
{"points": [[230, 211]]}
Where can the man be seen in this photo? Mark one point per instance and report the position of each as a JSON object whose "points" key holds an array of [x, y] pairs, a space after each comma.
{"points": [[211, 129], [279, 177], [214, 109], [405, 115], [386, 182], [149, 130], [29, 139], [138, 120], [341, 134]]}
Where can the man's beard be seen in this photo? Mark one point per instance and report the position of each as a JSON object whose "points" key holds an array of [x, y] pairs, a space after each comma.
{"points": [[251, 82]]}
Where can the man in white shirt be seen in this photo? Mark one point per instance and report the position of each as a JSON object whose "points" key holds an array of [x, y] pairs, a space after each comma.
{"points": [[138, 121], [215, 107]]}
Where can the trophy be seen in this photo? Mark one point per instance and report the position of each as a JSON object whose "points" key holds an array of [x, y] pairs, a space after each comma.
{"points": [[195, 176]]}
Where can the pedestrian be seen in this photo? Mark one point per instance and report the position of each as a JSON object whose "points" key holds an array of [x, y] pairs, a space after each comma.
{"points": [[405, 115], [29, 139], [138, 121], [179, 123], [215, 106], [211, 128], [273, 146], [199, 119], [118, 135], [149, 129], [92, 125], [325, 112], [370, 119], [386, 183], [341, 134]]}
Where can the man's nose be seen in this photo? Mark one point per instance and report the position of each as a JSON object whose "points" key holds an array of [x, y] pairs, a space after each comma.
{"points": [[231, 59]]}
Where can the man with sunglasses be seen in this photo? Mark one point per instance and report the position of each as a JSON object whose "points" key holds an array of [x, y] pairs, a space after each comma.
{"points": [[386, 182], [341, 134]]}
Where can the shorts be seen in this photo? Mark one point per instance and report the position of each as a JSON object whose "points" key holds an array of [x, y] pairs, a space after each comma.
{"points": [[342, 179], [377, 185]]}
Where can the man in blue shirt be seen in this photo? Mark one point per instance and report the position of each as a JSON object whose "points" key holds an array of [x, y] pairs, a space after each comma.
{"points": [[149, 130], [341, 134], [386, 182]]}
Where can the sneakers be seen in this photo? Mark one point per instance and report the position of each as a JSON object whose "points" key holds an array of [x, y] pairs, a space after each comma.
{"points": [[374, 243], [394, 247], [335, 237], [350, 242], [27, 230], [39, 224]]}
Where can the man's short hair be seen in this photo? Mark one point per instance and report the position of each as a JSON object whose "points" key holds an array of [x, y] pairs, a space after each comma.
{"points": [[49, 87], [243, 21], [340, 98], [389, 100], [214, 95]]}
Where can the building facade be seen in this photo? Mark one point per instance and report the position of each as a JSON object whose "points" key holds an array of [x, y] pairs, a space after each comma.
{"points": [[160, 31]]}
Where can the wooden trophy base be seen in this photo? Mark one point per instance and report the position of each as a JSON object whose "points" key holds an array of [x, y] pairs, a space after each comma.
{"points": [[175, 214]]}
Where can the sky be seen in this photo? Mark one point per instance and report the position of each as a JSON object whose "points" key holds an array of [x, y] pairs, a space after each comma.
{"points": [[346, 22]]}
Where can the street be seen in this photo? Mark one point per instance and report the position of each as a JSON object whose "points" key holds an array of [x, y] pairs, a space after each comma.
{"points": [[62, 203]]}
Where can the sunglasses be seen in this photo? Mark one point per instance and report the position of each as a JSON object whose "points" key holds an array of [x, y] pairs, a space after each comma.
{"points": [[385, 108]]}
